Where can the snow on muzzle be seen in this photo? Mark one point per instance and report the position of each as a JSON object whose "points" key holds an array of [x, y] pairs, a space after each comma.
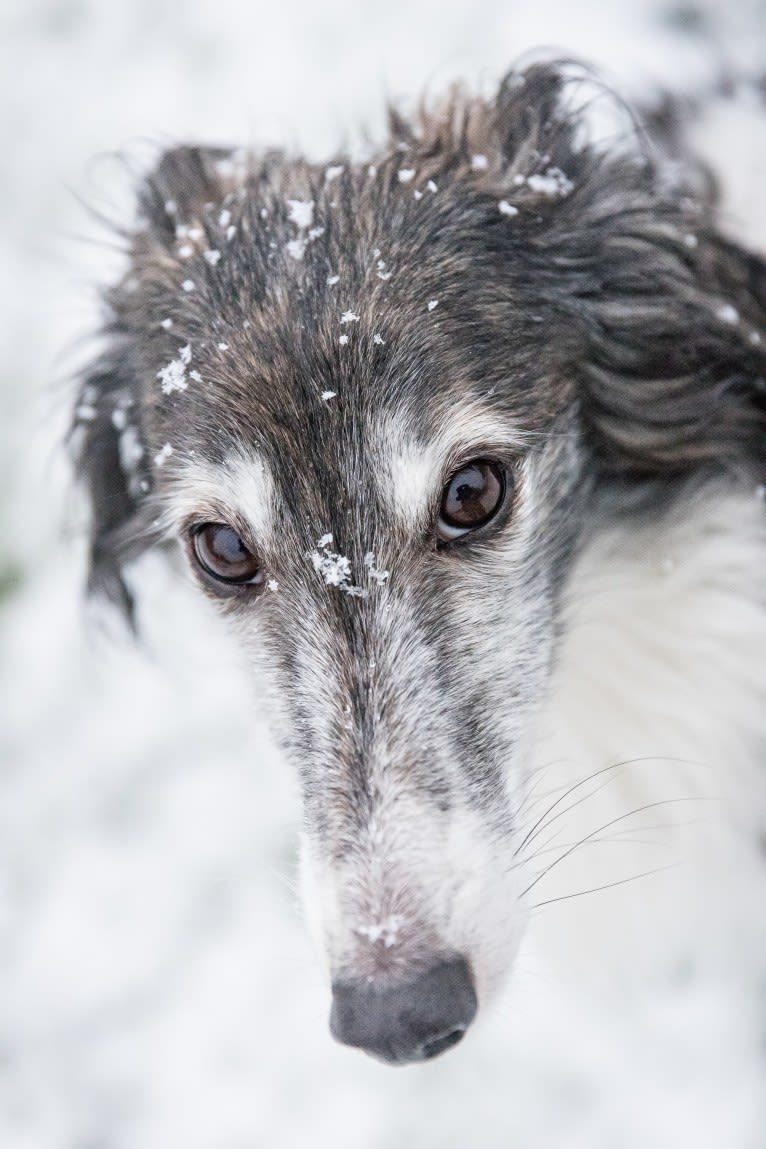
{"points": [[417, 923], [400, 990]]}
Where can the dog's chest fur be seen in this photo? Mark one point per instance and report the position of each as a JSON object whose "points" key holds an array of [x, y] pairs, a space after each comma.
{"points": [[654, 726]]}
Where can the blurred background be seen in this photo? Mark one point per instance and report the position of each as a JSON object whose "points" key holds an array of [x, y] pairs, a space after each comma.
{"points": [[157, 988]]}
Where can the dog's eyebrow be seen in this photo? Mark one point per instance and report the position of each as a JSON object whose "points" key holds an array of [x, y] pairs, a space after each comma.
{"points": [[240, 488], [415, 468]]}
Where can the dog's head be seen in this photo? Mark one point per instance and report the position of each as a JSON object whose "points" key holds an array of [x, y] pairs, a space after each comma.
{"points": [[372, 404]]}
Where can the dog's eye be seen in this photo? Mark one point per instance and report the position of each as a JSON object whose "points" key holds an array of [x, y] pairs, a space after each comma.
{"points": [[223, 556], [471, 498]]}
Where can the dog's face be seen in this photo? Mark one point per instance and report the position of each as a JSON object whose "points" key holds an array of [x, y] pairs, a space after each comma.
{"points": [[355, 397], [374, 477]]}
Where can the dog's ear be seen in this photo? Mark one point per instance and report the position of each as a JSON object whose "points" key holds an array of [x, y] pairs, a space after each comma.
{"points": [[668, 317], [673, 321], [109, 458], [108, 436]]}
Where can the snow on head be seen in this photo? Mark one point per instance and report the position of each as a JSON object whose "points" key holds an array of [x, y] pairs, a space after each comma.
{"points": [[727, 313], [301, 213], [162, 455], [554, 184], [376, 573], [296, 248], [335, 568], [130, 450], [507, 208], [173, 377]]}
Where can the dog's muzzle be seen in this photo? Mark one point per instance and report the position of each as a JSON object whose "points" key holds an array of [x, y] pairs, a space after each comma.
{"points": [[411, 1022]]}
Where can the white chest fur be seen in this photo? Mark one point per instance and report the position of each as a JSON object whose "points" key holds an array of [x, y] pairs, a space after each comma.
{"points": [[659, 695]]}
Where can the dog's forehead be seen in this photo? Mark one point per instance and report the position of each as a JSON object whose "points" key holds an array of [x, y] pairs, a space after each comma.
{"points": [[348, 295], [349, 371], [384, 471]]}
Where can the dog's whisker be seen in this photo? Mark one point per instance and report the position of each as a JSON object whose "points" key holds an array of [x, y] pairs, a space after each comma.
{"points": [[545, 820], [606, 826], [605, 886], [617, 837]]}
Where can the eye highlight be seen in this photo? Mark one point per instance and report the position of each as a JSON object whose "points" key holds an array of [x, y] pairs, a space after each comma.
{"points": [[471, 498], [223, 557]]}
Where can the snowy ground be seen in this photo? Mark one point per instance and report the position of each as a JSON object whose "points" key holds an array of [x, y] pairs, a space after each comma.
{"points": [[157, 988]]}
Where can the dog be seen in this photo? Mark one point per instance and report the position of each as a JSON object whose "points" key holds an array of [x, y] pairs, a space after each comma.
{"points": [[467, 441]]}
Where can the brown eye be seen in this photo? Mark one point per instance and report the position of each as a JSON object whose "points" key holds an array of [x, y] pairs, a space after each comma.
{"points": [[470, 499], [223, 556]]}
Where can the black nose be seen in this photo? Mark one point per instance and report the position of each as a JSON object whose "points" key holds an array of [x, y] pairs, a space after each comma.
{"points": [[409, 1022]]}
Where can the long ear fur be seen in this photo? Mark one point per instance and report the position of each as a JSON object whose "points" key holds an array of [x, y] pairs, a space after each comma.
{"points": [[676, 362], [108, 454], [620, 242], [107, 439], [671, 316]]}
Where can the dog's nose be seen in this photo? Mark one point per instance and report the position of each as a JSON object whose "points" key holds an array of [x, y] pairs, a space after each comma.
{"points": [[409, 1022]]}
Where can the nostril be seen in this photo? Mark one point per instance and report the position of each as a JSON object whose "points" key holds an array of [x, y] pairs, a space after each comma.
{"points": [[413, 1021], [442, 1044]]}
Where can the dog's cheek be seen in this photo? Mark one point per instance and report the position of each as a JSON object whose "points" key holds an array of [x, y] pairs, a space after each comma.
{"points": [[321, 906]]}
